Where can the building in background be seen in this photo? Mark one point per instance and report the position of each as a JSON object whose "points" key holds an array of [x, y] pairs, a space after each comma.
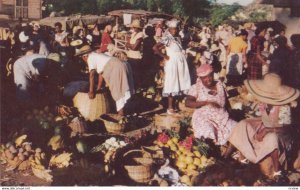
{"points": [[26, 9]]}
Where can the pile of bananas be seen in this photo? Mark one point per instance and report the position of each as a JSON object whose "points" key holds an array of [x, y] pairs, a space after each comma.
{"points": [[60, 160]]}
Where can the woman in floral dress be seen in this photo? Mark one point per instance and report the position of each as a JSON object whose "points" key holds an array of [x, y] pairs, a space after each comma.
{"points": [[210, 119]]}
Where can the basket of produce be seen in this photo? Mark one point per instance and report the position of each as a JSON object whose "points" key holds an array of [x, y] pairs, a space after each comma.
{"points": [[114, 123], [138, 164]]}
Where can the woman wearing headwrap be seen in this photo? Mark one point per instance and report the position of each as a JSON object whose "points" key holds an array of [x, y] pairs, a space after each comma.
{"points": [[208, 97], [177, 75]]}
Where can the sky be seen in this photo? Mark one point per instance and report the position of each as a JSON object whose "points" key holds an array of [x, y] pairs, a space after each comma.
{"points": [[241, 2]]}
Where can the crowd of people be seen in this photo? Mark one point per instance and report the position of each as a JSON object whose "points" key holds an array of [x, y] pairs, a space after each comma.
{"points": [[197, 65]]}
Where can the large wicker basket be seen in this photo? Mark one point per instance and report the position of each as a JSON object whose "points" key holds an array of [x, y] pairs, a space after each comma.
{"points": [[142, 172], [167, 122], [92, 109], [112, 123]]}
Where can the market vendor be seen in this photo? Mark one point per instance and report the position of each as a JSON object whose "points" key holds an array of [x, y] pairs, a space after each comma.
{"points": [[210, 119], [257, 138], [32, 72], [177, 76], [113, 71], [134, 45]]}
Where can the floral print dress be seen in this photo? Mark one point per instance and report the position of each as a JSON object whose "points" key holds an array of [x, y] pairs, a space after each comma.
{"points": [[208, 121]]}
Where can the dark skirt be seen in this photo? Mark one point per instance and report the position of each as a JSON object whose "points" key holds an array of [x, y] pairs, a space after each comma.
{"points": [[254, 70]]}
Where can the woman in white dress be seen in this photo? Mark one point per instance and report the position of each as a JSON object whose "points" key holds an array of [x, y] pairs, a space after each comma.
{"points": [[177, 76]]}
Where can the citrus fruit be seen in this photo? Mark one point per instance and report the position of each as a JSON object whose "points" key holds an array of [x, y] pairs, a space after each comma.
{"points": [[197, 161], [189, 160], [197, 154], [191, 167]]}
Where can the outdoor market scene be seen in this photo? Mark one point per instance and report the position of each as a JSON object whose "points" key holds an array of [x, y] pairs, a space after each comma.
{"points": [[150, 93]]}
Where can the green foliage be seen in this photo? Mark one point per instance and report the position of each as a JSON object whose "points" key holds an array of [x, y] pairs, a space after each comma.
{"points": [[182, 8], [220, 13], [257, 16]]}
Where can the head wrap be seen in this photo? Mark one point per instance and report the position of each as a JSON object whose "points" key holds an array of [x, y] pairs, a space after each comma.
{"points": [[204, 70]]}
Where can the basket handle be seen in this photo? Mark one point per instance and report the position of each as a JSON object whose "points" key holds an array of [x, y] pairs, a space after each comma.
{"points": [[136, 150]]}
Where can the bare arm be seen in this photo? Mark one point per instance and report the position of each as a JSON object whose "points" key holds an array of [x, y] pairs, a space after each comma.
{"points": [[92, 84], [192, 103], [100, 81], [157, 50]]}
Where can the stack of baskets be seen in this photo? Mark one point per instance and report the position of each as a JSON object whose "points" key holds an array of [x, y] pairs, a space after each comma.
{"points": [[141, 171], [113, 123]]}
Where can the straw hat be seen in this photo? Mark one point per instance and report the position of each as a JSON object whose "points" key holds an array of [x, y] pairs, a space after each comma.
{"points": [[54, 57], [75, 43], [136, 24], [84, 50], [270, 90]]}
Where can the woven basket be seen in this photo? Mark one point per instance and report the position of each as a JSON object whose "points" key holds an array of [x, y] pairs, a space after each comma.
{"points": [[167, 122], [141, 173], [111, 123], [92, 109]]}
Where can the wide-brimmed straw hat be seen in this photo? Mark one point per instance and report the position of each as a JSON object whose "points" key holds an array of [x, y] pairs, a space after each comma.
{"points": [[84, 50], [270, 90], [136, 24], [75, 43]]}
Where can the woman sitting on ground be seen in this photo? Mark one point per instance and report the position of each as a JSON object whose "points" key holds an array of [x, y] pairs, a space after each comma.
{"points": [[208, 97], [257, 138]]}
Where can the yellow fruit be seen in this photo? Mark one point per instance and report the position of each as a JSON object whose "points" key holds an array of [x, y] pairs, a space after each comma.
{"points": [[181, 165], [170, 142], [192, 173], [160, 144], [190, 154], [184, 151], [181, 158], [195, 148], [155, 142], [178, 152], [189, 160], [203, 159], [185, 179], [181, 149], [166, 145], [197, 154], [173, 147], [175, 140], [197, 161], [191, 167]]}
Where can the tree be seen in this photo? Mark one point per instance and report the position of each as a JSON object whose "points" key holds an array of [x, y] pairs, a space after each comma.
{"points": [[220, 13]]}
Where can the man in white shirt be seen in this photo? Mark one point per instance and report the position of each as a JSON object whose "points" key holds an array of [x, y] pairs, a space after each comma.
{"points": [[115, 73], [29, 69]]}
